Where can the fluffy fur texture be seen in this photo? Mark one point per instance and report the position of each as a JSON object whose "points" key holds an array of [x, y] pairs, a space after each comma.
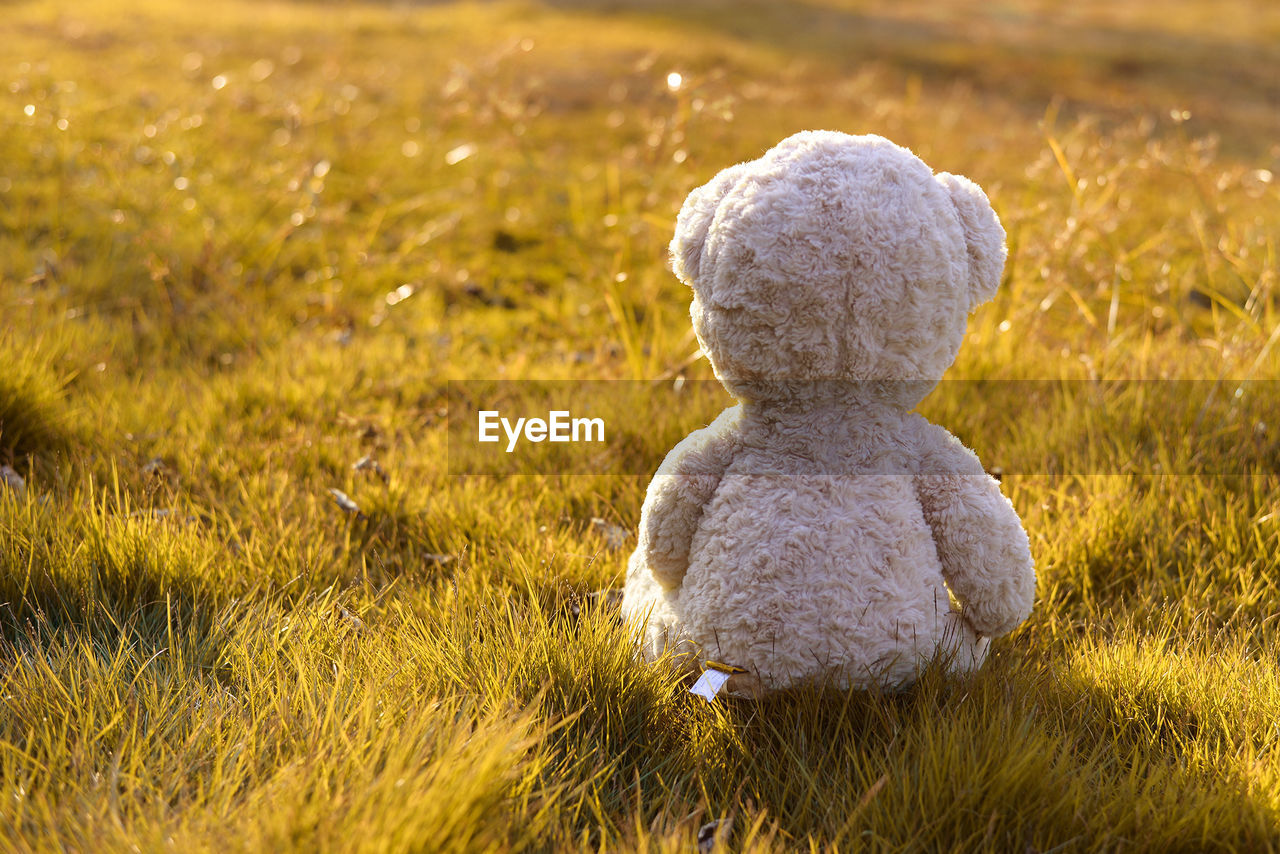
{"points": [[819, 529]]}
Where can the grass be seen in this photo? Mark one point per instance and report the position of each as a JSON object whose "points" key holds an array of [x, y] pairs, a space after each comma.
{"points": [[245, 245]]}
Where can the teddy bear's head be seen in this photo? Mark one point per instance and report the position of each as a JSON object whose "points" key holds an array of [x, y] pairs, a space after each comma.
{"points": [[835, 258]]}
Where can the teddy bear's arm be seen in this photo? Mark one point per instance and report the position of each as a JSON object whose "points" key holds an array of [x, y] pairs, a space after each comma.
{"points": [[684, 483], [985, 555]]}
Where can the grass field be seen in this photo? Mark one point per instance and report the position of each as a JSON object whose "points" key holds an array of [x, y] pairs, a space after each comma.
{"points": [[244, 245]]}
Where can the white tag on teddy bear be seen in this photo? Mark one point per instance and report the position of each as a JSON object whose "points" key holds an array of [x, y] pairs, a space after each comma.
{"points": [[713, 679], [709, 684]]}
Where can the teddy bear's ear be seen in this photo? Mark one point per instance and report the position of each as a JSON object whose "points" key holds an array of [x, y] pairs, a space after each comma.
{"points": [[983, 236], [694, 223]]}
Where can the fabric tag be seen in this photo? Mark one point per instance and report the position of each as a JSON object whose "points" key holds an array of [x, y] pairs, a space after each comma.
{"points": [[709, 684]]}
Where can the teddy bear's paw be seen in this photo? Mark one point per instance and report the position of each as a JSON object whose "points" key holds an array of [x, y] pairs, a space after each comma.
{"points": [[962, 648]]}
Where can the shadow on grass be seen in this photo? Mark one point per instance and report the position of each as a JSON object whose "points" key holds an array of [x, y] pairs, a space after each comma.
{"points": [[1007, 759], [1007, 775], [34, 423], [67, 570]]}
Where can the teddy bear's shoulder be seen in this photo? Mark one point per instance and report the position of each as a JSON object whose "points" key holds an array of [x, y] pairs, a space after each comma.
{"points": [[708, 449]]}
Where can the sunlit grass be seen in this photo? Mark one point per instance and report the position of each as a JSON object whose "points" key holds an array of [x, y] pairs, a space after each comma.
{"points": [[243, 246]]}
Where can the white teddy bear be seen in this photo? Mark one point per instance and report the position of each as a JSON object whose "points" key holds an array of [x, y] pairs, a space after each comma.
{"points": [[820, 530]]}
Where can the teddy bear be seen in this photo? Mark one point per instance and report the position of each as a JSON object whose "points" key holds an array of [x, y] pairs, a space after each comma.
{"points": [[820, 530]]}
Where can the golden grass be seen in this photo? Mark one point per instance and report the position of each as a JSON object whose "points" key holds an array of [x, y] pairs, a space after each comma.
{"points": [[244, 245]]}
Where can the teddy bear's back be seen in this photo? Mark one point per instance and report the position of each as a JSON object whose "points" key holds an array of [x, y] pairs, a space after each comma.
{"points": [[832, 576], [802, 567]]}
